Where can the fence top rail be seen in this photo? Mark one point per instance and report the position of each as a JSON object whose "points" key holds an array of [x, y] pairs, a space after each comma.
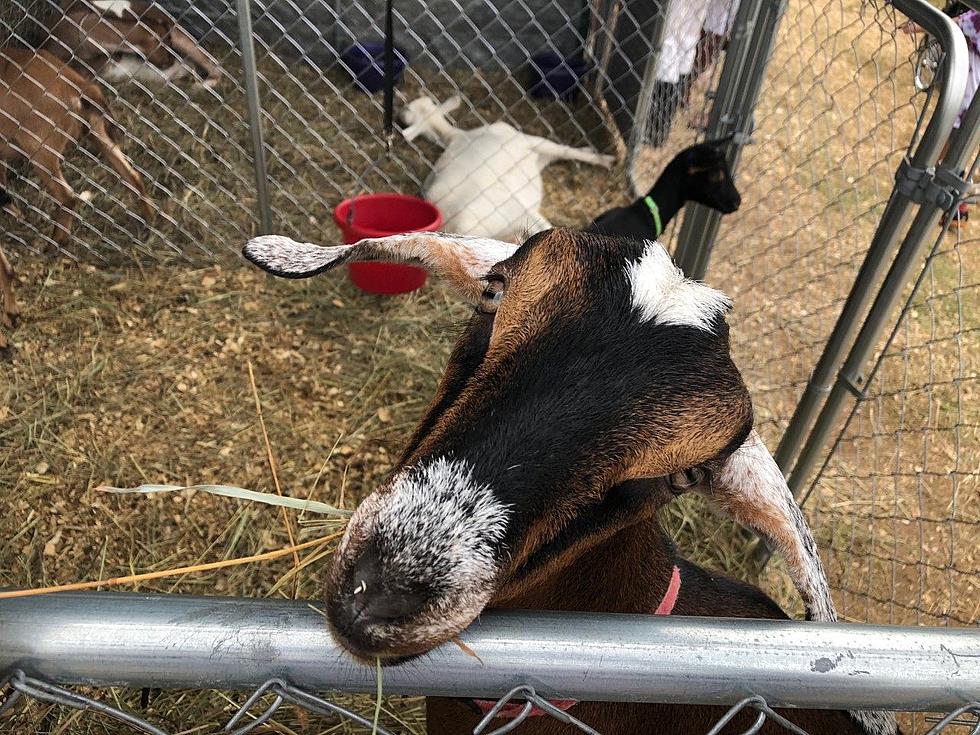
{"points": [[170, 641]]}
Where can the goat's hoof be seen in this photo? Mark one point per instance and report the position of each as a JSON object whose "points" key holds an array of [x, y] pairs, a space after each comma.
{"points": [[10, 319], [6, 350]]}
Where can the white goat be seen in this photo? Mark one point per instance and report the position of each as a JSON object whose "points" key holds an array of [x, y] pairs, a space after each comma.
{"points": [[488, 180]]}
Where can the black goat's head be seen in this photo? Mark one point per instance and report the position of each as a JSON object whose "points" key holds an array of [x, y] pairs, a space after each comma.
{"points": [[706, 176]]}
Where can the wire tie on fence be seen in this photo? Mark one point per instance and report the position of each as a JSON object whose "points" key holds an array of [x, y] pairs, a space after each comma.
{"points": [[46, 692], [285, 692], [953, 718], [765, 712], [320, 706], [253, 698], [533, 700]]}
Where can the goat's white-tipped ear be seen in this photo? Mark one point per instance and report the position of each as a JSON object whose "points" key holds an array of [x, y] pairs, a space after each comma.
{"points": [[752, 489], [462, 261], [286, 258]]}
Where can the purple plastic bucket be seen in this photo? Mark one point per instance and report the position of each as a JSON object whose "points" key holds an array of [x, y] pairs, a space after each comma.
{"points": [[366, 62], [556, 76]]}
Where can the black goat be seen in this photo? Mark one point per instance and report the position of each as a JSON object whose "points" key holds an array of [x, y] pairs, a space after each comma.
{"points": [[699, 173]]}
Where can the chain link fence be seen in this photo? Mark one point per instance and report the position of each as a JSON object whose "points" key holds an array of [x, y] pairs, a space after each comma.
{"points": [[751, 713], [570, 73], [896, 501], [897, 506]]}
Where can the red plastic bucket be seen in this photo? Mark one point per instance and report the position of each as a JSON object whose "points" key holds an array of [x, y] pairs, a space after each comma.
{"points": [[380, 215]]}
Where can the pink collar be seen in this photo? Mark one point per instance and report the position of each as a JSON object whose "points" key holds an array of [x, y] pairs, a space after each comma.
{"points": [[666, 606], [512, 709]]}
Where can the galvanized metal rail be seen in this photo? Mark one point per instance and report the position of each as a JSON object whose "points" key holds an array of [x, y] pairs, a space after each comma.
{"points": [[168, 641]]}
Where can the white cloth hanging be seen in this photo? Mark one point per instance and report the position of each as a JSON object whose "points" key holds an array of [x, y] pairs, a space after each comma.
{"points": [[680, 40], [721, 16]]}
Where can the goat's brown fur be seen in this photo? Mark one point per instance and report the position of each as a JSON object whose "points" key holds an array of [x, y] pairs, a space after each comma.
{"points": [[627, 547], [589, 375], [46, 106], [87, 37], [8, 306]]}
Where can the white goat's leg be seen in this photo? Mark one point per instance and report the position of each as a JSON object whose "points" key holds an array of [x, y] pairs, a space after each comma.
{"points": [[558, 152]]}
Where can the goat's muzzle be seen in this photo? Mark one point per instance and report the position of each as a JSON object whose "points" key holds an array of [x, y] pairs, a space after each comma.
{"points": [[363, 616], [417, 564]]}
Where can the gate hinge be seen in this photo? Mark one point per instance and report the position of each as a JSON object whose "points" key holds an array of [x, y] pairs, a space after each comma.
{"points": [[939, 186]]}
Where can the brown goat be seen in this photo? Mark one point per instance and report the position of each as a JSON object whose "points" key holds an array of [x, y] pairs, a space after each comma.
{"points": [[44, 108], [113, 38], [8, 306], [591, 384]]}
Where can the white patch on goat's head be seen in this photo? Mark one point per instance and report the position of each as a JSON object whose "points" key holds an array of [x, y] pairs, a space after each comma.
{"points": [[116, 7], [433, 530], [661, 293]]}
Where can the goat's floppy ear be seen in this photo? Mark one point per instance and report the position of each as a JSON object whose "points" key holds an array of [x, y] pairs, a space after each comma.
{"points": [[751, 488], [460, 260]]}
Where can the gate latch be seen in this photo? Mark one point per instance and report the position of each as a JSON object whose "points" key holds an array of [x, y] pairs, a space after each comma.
{"points": [[938, 186]]}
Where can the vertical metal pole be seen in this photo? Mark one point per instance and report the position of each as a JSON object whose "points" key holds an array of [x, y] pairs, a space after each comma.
{"points": [[645, 100], [892, 222], [912, 252], [746, 61], [255, 116]]}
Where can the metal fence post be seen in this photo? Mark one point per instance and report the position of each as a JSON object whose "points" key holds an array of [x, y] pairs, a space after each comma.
{"points": [[644, 103], [896, 215], [255, 116], [913, 249], [746, 60]]}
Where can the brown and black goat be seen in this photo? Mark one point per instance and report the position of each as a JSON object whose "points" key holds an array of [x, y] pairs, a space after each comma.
{"points": [[120, 40], [592, 383], [44, 108]]}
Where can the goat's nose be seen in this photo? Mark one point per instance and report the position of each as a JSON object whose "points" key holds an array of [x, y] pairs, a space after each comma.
{"points": [[371, 600]]}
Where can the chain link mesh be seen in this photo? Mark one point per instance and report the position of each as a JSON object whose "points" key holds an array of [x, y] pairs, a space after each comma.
{"points": [[896, 509], [22, 687], [323, 138], [898, 498]]}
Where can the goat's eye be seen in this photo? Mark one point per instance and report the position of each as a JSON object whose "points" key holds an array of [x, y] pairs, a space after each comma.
{"points": [[493, 294]]}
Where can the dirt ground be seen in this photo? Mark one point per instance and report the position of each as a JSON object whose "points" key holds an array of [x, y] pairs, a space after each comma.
{"points": [[132, 365]]}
